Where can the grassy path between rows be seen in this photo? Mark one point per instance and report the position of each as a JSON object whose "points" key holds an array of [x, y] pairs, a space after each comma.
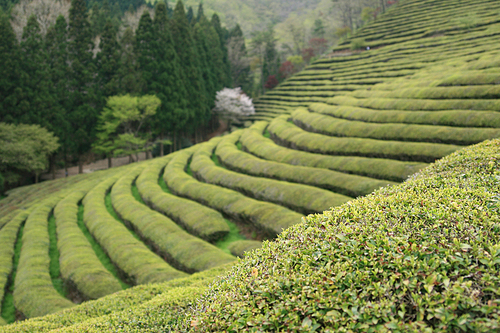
{"points": [[54, 267]]}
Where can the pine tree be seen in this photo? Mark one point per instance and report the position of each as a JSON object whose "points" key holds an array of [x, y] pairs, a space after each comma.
{"points": [[129, 75], [83, 113], [216, 55], [172, 116], [144, 49], [240, 72], [9, 71], [193, 80], [201, 13], [206, 65], [108, 64], [190, 15], [56, 46], [36, 102], [223, 37]]}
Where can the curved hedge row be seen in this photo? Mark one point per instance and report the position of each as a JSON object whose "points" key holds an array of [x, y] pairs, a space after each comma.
{"points": [[440, 93], [419, 257], [79, 263], [290, 135], [118, 310], [239, 248], [463, 118], [302, 198], [8, 238], [402, 132], [253, 141], [267, 217], [197, 219], [34, 293], [417, 104], [182, 250], [346, 184], [131, 256]]}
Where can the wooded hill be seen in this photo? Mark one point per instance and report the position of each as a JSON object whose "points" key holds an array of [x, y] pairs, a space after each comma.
{"points": [[422, 256]]}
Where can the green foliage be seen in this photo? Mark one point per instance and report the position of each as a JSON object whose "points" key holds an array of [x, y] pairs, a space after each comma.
{"points": [[9, 71], [197, 219], [182, 250], [358, 44], [24, 149], [121, 122], [239, 248], [391, 277]]}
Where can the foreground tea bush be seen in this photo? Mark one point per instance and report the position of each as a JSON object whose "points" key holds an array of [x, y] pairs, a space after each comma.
{"points": [[423, 256]]}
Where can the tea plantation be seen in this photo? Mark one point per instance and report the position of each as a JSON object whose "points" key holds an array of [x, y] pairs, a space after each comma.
{"points": [[399, 139]]}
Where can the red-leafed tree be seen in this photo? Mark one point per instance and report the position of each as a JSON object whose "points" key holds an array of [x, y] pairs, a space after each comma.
{"points": [[319, 45], [271, 82], [308, 54], [286, 69]]}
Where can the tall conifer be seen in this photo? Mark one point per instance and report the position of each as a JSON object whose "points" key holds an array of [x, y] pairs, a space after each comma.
{"points": [[223, 36], [172, 116], [144, 49], [9, 70], [108, 63], [83, 113], [193, 80], [130, 77]]}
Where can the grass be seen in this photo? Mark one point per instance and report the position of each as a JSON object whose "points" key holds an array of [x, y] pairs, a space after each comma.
{"points": [[233, 236], [54, 268], [111, 211], [136, 194], [100, 253], [8, 309]]}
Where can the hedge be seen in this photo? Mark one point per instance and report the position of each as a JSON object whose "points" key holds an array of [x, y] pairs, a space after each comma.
{"points": [[418, 257], [130, 255], [441, 93], [182, 250], [197, 219], [8, 238], [417, 104], [302, 198], [350, 185], [290, 135], [268, 218], [331, 126], [79, 263], [462, 118], [134, 309], [254, 142], [239, 248], [34, 293]]}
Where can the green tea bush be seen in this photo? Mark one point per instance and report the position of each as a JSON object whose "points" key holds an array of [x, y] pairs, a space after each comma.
{"points": [[130, 255], [182, 250], [254, 142], [301, 198], [358, 44], [462, 118], [34, 293], [239, 248], [79, 263], [418, 257], [197, 219], [350, 185], [290, 135], [268, 218], [328, 125]]}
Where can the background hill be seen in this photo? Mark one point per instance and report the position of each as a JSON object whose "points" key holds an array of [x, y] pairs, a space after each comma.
{"points": [[342, 128]]}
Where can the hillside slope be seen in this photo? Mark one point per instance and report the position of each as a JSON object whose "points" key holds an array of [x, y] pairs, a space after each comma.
{"points": [[344, 127]]}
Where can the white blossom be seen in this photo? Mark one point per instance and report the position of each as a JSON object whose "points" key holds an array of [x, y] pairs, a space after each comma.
{"points": [[233, 104]]}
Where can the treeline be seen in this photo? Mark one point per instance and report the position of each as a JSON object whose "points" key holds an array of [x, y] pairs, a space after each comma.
{"points": [[62, 80]]}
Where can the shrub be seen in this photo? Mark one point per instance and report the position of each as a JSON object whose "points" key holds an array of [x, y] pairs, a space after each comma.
{"points": [[358, 44]]}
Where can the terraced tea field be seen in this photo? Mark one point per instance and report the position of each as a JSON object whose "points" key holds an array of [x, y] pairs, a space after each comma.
{"points": [[344, 127]]}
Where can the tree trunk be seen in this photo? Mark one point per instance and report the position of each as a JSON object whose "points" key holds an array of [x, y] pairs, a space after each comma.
{"points": [[36, 178], [53, 166], [161, 144], [110, 162], [175, 142], [80, 165], [65, 166]]}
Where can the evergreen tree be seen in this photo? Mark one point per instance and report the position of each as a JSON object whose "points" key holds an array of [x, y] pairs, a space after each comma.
{"points": [[172, 116], [206, 65], [56, 46], [240, 70], [190, 15], [108, 64], [201, 13], [129, 75], [145, 51], [193, 80], [223, 37], [9, 71], [83, 114], [36, 102]]}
